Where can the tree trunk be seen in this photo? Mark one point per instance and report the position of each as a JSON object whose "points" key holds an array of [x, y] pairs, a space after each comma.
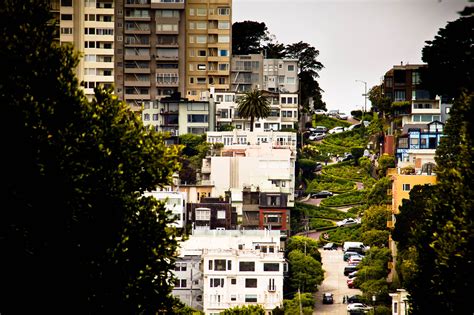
{"points": [[251, 123]]}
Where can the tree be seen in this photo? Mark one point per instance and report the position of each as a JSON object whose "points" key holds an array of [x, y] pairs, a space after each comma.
{"points": [[309, 67], [304, 244], [274, 50], [378, 193], [305, 272], [247, 37], [292, 307], [74, 227], [253, 105], [434, 230], [449, 57], [245, 310], [375, 218], [380, 103]]}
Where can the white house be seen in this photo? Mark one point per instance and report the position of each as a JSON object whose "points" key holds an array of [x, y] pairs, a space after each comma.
{"points": [[239, 267], [174, 201]]}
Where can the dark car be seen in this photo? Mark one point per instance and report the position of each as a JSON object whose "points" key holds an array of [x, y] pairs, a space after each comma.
{"points": [[354, 299], [330, 246], [349, 269], [321, 194], [328, 298], [347, 158], [318, 167]]}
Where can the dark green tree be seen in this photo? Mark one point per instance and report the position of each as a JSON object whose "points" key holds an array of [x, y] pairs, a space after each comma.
{"points": [[380, 103], [305, 244], [450, 57], [434, 229], [306, 273], [292, 307], [247, 37], [253, 105], [74, 227], [274, 50], [309, 67]]}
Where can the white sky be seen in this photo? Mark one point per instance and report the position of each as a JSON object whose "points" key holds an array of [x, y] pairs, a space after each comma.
{"points": [[356, 39]]}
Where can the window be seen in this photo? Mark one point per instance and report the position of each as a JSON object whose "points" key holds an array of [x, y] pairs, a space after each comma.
{"points": [[89, 17], [223, 52], [406, 187], [224, 67], [223, 25], [201, 67], [415, 78], [197, 118], [201, 25], [66, 30], [66, 17], [223, 11], [203, 214], [399, 95], [66, 3], [403, 143], [216, 282], [201, 53], [251, 283], [220, 214], [201, 12], [247, 266], [180, 267], [201, 39], [233, 281], [271, 267], [146, 117], [250, 298], [290, 80], [273, 200], [219, 264], [180, 283], [233, 297], [223, 38], [291, 67], [272, 218]]}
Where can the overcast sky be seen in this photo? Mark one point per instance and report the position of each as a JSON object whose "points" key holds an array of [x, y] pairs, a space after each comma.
{"points": [[357, 39]]}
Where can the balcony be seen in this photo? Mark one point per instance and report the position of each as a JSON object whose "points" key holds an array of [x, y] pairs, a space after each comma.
{"points": [[167, 4]]}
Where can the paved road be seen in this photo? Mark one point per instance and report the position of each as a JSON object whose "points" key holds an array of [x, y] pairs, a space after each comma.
{"points": [[335, 282]]}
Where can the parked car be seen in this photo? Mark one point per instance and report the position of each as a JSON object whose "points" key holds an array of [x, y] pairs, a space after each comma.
{"points": [[333, 112], [316, 136], [321, 194], [349, 269], [328, 298], [354, 260], [347, 158], [330, 246], [342, 116], [348, 254], [321, 129], [347, 222], [320, 112], [352, 274], [358, 307], [337, 130], [318, 167], [354, 299], [350, 283]]}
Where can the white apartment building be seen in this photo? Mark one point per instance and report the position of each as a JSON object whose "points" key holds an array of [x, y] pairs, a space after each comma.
{"points": [[251, 159], [174, 201], [88, 25], [283, 112], [280, 75], [237, 267]]}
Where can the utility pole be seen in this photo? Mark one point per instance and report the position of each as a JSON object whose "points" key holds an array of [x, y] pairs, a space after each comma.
{"points": [[299, 296], [365, 98]]}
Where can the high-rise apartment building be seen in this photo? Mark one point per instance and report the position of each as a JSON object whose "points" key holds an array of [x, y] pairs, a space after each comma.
{"points": [[208, 47], [150, 50], [88, 25]]}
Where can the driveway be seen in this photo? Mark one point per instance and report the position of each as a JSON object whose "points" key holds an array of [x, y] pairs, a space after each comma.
{"points": [[334, 282]]}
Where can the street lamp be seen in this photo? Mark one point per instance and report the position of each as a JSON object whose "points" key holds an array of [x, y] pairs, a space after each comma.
{"points": [[365, 99]]}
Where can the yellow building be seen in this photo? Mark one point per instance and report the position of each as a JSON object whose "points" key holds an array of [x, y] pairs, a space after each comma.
{"points": [[208, 47], [402, 183]]}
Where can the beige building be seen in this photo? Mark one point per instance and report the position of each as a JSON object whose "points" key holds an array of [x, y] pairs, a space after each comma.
{"points": [[208, 47], [88, 25], [246, 73]]}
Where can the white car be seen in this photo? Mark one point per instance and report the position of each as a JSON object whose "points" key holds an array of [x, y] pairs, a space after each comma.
{"points": [[342, 116], [358, 307], [320, 112], [347, 222], [337, 130], [316, 136]]}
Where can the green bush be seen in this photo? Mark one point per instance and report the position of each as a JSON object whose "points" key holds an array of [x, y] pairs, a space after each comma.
{"points": [[339, 235], [350, 198], [317, 223], [311, 211], [336, 185]]}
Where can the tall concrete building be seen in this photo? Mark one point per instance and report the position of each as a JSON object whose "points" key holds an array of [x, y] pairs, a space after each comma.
{"points": [[246, 72], [208, 47], [88, 25]]}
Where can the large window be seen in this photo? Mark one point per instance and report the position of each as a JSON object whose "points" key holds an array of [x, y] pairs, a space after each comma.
{"points": [[271, 267], [180, 283], [247, 266], [203, 214], [216, 282], [197, 118], [250, 283], [250, 298], [399, 95]]}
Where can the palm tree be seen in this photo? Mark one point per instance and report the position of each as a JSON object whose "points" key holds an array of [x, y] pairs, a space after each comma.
{"points": [[253, 105]]}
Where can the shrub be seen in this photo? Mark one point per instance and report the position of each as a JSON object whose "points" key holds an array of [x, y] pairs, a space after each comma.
{"points": [[350, 198]]}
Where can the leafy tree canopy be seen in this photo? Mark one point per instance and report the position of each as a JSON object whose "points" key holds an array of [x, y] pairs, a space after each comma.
{"points": [[305, 272], [303, 244], [74, 225], [450, 57], [245, 310], [253, 105], [247, 37]]}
